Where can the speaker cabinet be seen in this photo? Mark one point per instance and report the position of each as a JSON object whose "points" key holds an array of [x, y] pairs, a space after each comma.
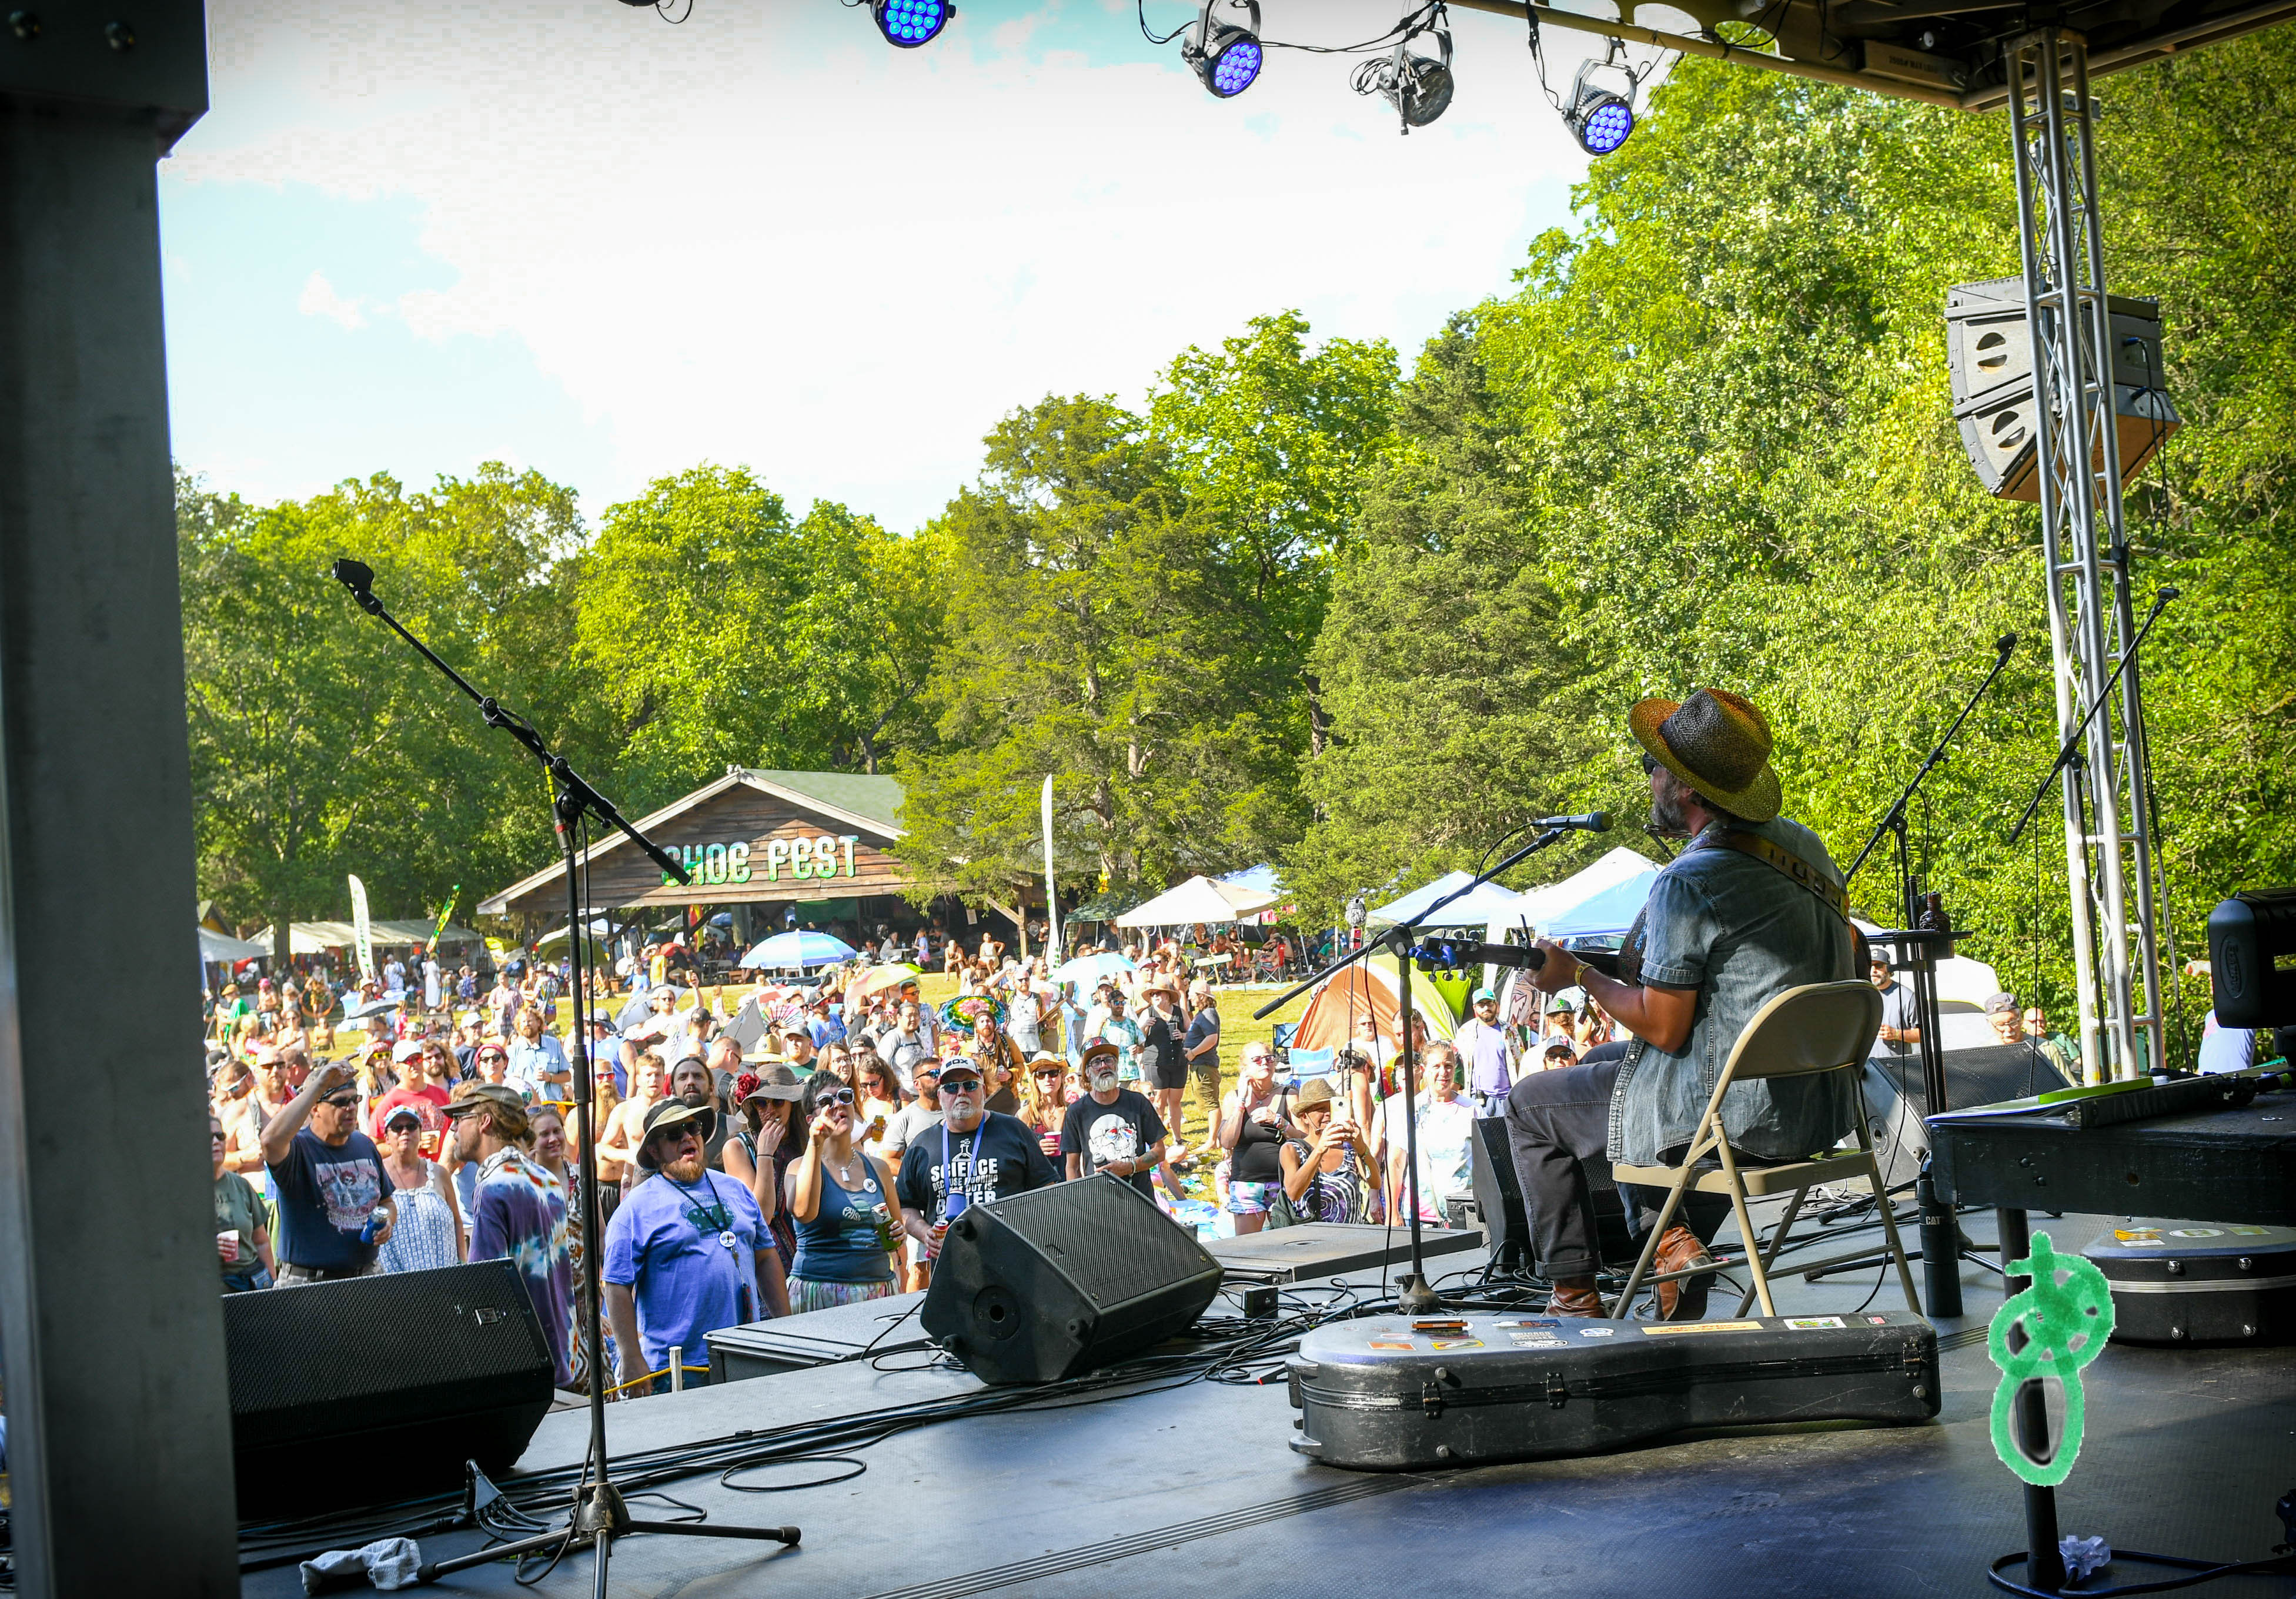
{"points": [[1060, 1280], [376, 1389], [1990, 357]]}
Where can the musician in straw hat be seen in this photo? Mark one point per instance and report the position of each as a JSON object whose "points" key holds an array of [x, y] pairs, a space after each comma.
{"points": [[1752, 906]]}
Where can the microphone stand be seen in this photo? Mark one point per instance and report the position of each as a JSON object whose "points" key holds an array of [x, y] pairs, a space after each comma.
{"points": [[1413, 1296], [598, 1514], [1942, 1248]]}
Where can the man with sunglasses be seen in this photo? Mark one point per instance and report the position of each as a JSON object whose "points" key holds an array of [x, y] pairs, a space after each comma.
{"points": [[425, 1075], [329, 1181], [684, 1252], [975, 1154]]}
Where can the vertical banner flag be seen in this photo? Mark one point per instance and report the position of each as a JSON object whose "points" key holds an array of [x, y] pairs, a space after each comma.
{"points": [[445, 911], [1052, 894], [363, 928]]}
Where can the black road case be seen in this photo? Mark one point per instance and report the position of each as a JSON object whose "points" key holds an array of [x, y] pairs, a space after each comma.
{"points": [[1395, 1394], [2190, 1282]]}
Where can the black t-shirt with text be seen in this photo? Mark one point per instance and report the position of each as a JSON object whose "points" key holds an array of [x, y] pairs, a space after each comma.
{"points": [[995, 1160], [1122, 1131]]}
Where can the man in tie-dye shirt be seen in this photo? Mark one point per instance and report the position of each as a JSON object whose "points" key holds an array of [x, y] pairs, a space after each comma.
{"points": [[520, 1211]]}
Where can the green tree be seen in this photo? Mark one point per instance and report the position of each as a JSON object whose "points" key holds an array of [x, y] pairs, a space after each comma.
{"points": [[320, 744]]}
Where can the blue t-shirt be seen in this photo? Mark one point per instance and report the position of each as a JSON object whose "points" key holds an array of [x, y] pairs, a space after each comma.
{"points": [[840, 1243], [326, 1192], [687, 1283]]}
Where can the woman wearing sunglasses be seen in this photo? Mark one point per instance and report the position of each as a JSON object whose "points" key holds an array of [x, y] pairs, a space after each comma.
{"points": [[1045, 1102], [842, 1200]]}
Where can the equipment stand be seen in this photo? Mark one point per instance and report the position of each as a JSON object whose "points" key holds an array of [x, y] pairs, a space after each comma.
{"points": [[1413, 1295], [598, 1514]]}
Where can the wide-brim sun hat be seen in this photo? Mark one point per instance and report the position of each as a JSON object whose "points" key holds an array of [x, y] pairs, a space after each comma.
{"points": [[672, 1113], [1717, 743]]}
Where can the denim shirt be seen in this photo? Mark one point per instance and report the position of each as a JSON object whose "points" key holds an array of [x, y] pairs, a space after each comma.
{"points": [[1740, 933]]}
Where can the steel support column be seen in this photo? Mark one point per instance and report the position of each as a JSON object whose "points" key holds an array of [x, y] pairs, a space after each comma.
{"points": [[2109, 849], [110, 1325]]}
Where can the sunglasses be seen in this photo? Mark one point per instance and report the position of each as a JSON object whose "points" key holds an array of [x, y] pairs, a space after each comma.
{"points": [[341, 1105], [1054, 1075], [837, 1096], [959, 1085], [1650, 763]]}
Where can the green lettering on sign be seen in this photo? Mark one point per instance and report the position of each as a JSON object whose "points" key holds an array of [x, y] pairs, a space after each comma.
{"points": [[818, 857]]}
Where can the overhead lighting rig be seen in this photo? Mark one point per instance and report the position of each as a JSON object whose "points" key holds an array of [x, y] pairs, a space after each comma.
{"points": [[909, 23], [1418, 86], [1225, 56], [1601, 119]]}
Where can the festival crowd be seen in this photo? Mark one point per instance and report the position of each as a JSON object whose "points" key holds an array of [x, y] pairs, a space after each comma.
{"points": [[792, 1148]]}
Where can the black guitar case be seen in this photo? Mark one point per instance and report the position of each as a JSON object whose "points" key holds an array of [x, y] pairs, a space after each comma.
{"points": [[1395, 1394]]}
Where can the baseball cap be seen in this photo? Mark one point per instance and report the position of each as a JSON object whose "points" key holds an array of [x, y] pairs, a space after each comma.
{"points": [[410, 1049], [1483, 994], [957, 1066], [402, 1113], [481, 1096]]}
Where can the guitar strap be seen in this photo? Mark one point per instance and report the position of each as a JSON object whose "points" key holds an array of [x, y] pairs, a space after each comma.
{"points": [[1754, 845]]}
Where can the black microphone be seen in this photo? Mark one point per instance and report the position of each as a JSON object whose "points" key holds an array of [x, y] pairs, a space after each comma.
{"points": [[1597, 821], [2004, 643], [358, 577]]}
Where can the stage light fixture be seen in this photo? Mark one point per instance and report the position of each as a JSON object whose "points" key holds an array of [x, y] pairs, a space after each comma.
{"points": [[1418, 86], [1224, 57], [909, 23], [1601, 119]]}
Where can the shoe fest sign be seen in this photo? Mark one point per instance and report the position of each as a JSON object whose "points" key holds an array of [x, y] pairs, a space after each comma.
{"points": [[819, 857]]}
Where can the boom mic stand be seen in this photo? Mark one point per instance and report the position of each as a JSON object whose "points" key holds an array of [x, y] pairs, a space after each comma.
{"points": [[1923, 933], [598, 1514], [1413, 1295]]}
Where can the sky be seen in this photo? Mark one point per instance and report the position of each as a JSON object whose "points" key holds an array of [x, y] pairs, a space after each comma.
{"points": [[573, 237]]}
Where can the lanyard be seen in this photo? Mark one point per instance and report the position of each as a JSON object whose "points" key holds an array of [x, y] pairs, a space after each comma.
{"points": [[949, 1172], [701, 1216]]}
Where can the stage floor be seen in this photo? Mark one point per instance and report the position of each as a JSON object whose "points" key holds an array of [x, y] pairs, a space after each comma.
{"points": [[1193, 1491]]}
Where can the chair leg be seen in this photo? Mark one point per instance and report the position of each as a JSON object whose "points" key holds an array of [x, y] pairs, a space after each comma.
{"points": [[1769, 1257], [1748, 1237], [1897, 1247]]}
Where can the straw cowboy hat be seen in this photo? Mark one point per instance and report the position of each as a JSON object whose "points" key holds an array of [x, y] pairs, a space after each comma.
{"points": [[1717, 743]]}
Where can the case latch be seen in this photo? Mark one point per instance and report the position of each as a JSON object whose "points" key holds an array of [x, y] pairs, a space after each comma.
{"points": [[1558, 1392]]}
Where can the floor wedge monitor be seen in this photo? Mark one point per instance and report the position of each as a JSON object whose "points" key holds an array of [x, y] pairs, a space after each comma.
{"points": [[1060, 1280]]}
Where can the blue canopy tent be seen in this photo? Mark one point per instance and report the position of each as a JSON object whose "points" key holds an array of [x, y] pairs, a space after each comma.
{"points": [[1606, 915]]}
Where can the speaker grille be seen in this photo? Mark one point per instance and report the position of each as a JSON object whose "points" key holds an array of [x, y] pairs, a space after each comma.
{"points": [[1094, 1232], [367, 1338]]}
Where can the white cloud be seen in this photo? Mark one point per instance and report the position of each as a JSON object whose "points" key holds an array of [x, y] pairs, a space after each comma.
{"points": [[319, 298], [763, 236]]}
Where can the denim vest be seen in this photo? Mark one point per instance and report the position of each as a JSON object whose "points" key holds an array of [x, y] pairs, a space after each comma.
{"points": [[1740, 933]]}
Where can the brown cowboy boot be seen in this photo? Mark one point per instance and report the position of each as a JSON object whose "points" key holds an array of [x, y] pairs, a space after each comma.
{"points": [[1575, 1297], [1682, 1300]]}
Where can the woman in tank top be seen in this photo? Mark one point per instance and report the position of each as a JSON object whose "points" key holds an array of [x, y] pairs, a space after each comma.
{"points": [[842, 1202], [429, 1229], [1255, 1120]]}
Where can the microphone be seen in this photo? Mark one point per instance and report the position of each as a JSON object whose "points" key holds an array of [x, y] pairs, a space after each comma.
{"points": [[358, 577], [2004, 643], [1598, 821]]}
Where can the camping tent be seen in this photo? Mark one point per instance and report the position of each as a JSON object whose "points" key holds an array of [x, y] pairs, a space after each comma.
{"points": [[1198, 899], [1371, 987], [1480, 907]]}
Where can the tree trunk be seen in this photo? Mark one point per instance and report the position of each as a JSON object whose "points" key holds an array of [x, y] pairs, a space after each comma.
{"points": [[282, 938]]}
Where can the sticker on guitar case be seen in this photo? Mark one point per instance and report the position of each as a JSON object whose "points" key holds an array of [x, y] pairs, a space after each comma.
{"points": [[1457, 1343], [1806, 1324], [1668, 1329]]}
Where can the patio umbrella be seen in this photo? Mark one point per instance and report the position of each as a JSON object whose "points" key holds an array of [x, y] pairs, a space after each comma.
{"points": [[1089, 969], [805, 949], [877, 978]]}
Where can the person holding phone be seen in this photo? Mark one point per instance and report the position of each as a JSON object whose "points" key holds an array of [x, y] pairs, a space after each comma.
{"points": [[975, 1154], [841, 1199], [1327, 1169]]}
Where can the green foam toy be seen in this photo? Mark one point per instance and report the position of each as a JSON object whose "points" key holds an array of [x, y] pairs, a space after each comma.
{"points": [[2057, 1316]]}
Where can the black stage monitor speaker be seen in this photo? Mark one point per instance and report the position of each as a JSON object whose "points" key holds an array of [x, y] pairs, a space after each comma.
{"points": [[1895, 1099], [376, 1389], [1060, 1280], [1506, 1225], [2253, 958]]}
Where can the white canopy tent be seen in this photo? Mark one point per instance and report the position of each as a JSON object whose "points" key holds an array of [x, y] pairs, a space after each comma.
{"points": [[1540, 906], [316, 938], [1198, 899], [222, 948]]}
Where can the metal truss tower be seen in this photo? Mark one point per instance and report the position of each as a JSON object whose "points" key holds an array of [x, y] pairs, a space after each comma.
{"points": [[2110, 856]]}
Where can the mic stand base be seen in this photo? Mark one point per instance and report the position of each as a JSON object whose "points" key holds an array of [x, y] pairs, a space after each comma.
{"points": [[1413, 1297]]}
